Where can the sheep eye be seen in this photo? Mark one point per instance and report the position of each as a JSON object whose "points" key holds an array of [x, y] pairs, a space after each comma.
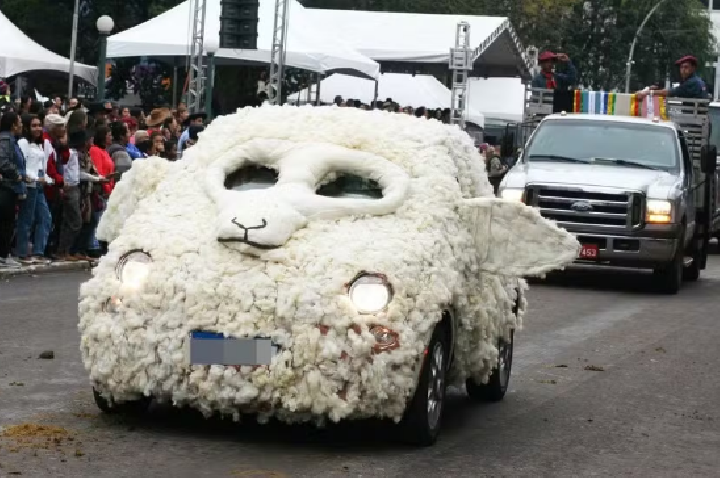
{"points": [[346, 185], [251, 176]]}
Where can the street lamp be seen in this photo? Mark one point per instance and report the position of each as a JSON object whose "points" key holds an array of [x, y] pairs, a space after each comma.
{"points": [[211, 47], [73, 48], [104, 25], [632, 47]]}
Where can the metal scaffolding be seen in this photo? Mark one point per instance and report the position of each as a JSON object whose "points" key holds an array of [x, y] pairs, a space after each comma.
{"points": [[277, 52], [195, 64], [460, 64]]}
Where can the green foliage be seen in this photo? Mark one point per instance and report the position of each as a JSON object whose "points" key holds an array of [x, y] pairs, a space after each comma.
{"points": [[597, 34]]}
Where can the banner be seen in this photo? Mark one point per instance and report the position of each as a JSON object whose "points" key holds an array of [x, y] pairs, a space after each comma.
{"points": [[621, 104]]}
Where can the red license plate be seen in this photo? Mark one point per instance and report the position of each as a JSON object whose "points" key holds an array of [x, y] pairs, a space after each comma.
{"points": [[589, 251]]}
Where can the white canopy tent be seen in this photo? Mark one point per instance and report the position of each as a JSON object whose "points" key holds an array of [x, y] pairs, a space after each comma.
{"points": [[499, 99], [19, 54], [404, 89], [308, 45], [426, 38]]}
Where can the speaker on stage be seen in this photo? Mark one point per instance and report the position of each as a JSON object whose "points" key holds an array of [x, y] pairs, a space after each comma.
{"points": [[239, 24]]}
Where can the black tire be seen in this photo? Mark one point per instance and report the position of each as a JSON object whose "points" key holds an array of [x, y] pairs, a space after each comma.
{"points": [[497, 385], [422, 422], [669, 278], [691, 273], [132, 407]]}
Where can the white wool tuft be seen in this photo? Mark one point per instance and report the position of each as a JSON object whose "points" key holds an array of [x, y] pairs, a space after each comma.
{"points": [[439, 247]]}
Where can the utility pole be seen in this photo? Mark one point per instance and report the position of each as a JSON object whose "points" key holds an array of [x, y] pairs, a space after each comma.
{"points": [[198, 9]]}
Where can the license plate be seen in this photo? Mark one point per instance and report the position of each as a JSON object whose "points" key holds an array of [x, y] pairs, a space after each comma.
{"points": [[589, 251], [212, 348]]}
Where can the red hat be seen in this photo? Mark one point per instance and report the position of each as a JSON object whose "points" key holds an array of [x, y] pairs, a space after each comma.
{"points": [[687, 59], [130, 122], [547, 56]]}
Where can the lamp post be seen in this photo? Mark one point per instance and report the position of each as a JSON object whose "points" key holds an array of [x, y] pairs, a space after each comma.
{"points": [[632, 47], [104, 25], [211, 47], [73, 48]]}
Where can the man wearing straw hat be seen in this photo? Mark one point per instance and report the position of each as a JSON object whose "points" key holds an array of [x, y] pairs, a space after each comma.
{"points": [[691, 85]]}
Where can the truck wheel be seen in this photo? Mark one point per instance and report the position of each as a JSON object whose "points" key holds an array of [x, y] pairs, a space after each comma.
{"points": [[670, 276], [423, 416], [691, 273], [132, 407], [497, 385]]}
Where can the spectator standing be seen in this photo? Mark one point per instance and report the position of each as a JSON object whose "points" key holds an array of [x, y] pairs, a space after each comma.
{"points": [[56, 150], [74, 174], [12, 183], [157, 144], [34, 211], [171, 150], [195, 119], [117, 150], [103, 163]]}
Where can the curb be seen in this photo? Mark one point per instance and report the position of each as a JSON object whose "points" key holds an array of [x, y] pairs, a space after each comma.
{"points": [[44, 269]]}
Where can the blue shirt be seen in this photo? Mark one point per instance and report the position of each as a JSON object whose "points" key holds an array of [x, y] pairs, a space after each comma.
{"points": [[693, 87], [134, 152], [562, 80], [183, 137]]}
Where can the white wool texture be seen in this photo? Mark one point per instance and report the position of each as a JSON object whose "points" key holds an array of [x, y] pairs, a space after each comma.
{"points": [[438, 234]]}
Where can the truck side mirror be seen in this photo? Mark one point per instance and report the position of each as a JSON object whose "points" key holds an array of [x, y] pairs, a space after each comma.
{"points": [[708, 159]]}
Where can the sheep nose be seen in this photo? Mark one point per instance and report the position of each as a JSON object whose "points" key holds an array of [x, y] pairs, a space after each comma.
{"points": [[260, 223]]}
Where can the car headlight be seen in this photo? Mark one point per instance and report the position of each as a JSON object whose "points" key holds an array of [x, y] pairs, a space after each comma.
{"points": [[658, 212], [133, 268], [370, 293], [513, 194]]}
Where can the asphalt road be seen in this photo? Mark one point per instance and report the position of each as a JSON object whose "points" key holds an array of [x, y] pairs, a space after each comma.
{"points": [[610, 380]]}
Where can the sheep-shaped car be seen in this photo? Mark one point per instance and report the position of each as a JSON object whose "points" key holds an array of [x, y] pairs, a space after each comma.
{"points": [[312, 263]]}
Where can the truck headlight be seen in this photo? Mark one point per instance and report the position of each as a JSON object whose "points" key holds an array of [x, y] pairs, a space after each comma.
{"points": [[658, 212], [370, 293], [133, 268], [513, 194]]}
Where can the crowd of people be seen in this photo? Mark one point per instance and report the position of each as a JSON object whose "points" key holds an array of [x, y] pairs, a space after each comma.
{"points": [[59, 164], [441, 114]]}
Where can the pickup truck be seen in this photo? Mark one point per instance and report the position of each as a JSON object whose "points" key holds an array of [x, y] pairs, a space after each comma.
{"points": [[636, 192]]}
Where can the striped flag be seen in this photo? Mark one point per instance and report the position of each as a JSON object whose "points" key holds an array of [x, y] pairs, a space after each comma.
{"points": [[621, 104]]}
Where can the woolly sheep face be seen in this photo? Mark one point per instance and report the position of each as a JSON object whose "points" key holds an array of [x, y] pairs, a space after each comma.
{"points": [[257, 232], [266, 190]]}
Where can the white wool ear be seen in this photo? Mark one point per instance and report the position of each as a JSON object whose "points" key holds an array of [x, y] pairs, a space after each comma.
{"points": [[138, 183], [515, 240]]}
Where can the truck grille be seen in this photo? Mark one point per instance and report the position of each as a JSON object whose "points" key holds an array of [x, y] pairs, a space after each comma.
{"points": [[587, 208]]}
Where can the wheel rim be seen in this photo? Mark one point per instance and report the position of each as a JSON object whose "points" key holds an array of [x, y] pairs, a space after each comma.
{"points": [[505, 362], [436, 385]]}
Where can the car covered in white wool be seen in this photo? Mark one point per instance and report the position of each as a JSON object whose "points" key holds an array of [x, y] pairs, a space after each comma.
{"points": [[311, 263]]}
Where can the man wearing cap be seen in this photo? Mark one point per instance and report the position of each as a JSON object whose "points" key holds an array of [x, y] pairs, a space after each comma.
{"points": [[195, 119], [550, 79], [691, 85]]}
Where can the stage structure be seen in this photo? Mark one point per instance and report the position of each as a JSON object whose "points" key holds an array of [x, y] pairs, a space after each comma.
{"points": [[461, 62], [195, 61], [277, 52]]}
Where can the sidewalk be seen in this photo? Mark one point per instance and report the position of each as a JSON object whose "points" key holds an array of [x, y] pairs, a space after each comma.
{"points": [[43, 268]]}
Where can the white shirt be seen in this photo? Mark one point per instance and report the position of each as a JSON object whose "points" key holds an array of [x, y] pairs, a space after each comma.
{"points": [[35, 160], [72, 174]]}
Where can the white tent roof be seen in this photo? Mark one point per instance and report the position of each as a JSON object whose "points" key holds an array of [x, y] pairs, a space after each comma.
{"points": [[18, 54], [497, 98], [426, 38], [308, 46], [404, 89]]}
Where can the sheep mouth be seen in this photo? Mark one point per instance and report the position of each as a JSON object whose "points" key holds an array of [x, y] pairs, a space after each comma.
{"points": [[256, 245]]}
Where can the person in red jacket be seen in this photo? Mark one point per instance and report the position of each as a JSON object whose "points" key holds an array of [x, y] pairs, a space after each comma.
{"points": [[57, 155], [105, 166]]}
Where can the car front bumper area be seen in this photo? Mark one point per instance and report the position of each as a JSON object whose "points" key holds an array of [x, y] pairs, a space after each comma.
{"points": [[639, 251], [323, 373]]}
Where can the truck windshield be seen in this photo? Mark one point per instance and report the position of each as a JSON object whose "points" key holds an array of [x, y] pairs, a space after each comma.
{"points": [[624, 143]]}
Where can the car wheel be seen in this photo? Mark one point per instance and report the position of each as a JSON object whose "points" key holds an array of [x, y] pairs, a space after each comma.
{"points": [[496, 387], [669, 278], [131, 407], [691, 273], [423, 416]]}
